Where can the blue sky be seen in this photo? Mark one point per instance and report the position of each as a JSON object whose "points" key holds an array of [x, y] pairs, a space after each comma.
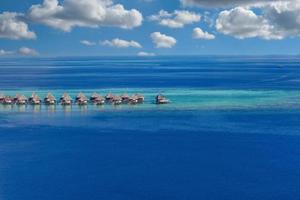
{"points": [[230, 28]]}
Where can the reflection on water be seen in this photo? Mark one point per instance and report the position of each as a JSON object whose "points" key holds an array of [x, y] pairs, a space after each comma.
{"points": [[67, 108], [83, 108], [21, 108], [36, 108], [51, 108]]}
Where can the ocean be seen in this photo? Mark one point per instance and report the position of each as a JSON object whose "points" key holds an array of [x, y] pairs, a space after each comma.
{"points": [[231, 131]]}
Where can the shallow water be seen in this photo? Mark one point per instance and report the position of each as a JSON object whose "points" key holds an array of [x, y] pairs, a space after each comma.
{"points": [[231, 131]]}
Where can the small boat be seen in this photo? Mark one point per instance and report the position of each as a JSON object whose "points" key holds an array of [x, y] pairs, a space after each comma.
{"points": [[20, 99], [81, 99], [50, 99], [35, 99], [160, 99], [117, 100], [66, 99]]}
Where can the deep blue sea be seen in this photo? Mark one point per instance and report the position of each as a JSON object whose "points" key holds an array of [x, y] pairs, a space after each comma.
{"points": [[231, 132]]}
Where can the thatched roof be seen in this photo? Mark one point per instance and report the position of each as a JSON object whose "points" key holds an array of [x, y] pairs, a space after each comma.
{"points": [[50, 96], [109, 95], [99, 98], [66, 97], [33, 95], [21, 98], [133, 97], [117, 98], [95, 95], [81, 97], [139, 96], [125, 96], [36, 98]]}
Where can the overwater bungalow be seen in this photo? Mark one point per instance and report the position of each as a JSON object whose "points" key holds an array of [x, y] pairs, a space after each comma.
{"points": [[20, 99], [133, 99], [109, 97], [32, 96], [160, 99], [66, 99], [140, 98], [81, 99], [16, 97], [97, 99], [125, 98], [94, 96], [50, 99], [35, 99], [8, 100], [117, 100]]}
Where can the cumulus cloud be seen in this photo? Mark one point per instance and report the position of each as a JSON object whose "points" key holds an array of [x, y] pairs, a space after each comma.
{"points": [[83, 13], [177, 19], [145, 54], [276, 21], [198, 33], [162, 40], [284, 18], [227, 3], [25, 51], [243, 23], [265, 19], [119, 43], [12, 27], [87, 43]]}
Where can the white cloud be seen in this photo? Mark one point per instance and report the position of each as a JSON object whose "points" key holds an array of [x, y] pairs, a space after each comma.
{"points": [[119, 43], [25, 51], [265, 19], [83, 13], [87, 43], [145, 54], [276, 21], [243, 23], [198, 33], [12, 27], [5, 53], [162, 40], [177, 19]]}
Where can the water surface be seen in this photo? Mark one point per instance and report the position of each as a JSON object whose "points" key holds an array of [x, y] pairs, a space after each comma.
{"points": [[231, 131]]}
